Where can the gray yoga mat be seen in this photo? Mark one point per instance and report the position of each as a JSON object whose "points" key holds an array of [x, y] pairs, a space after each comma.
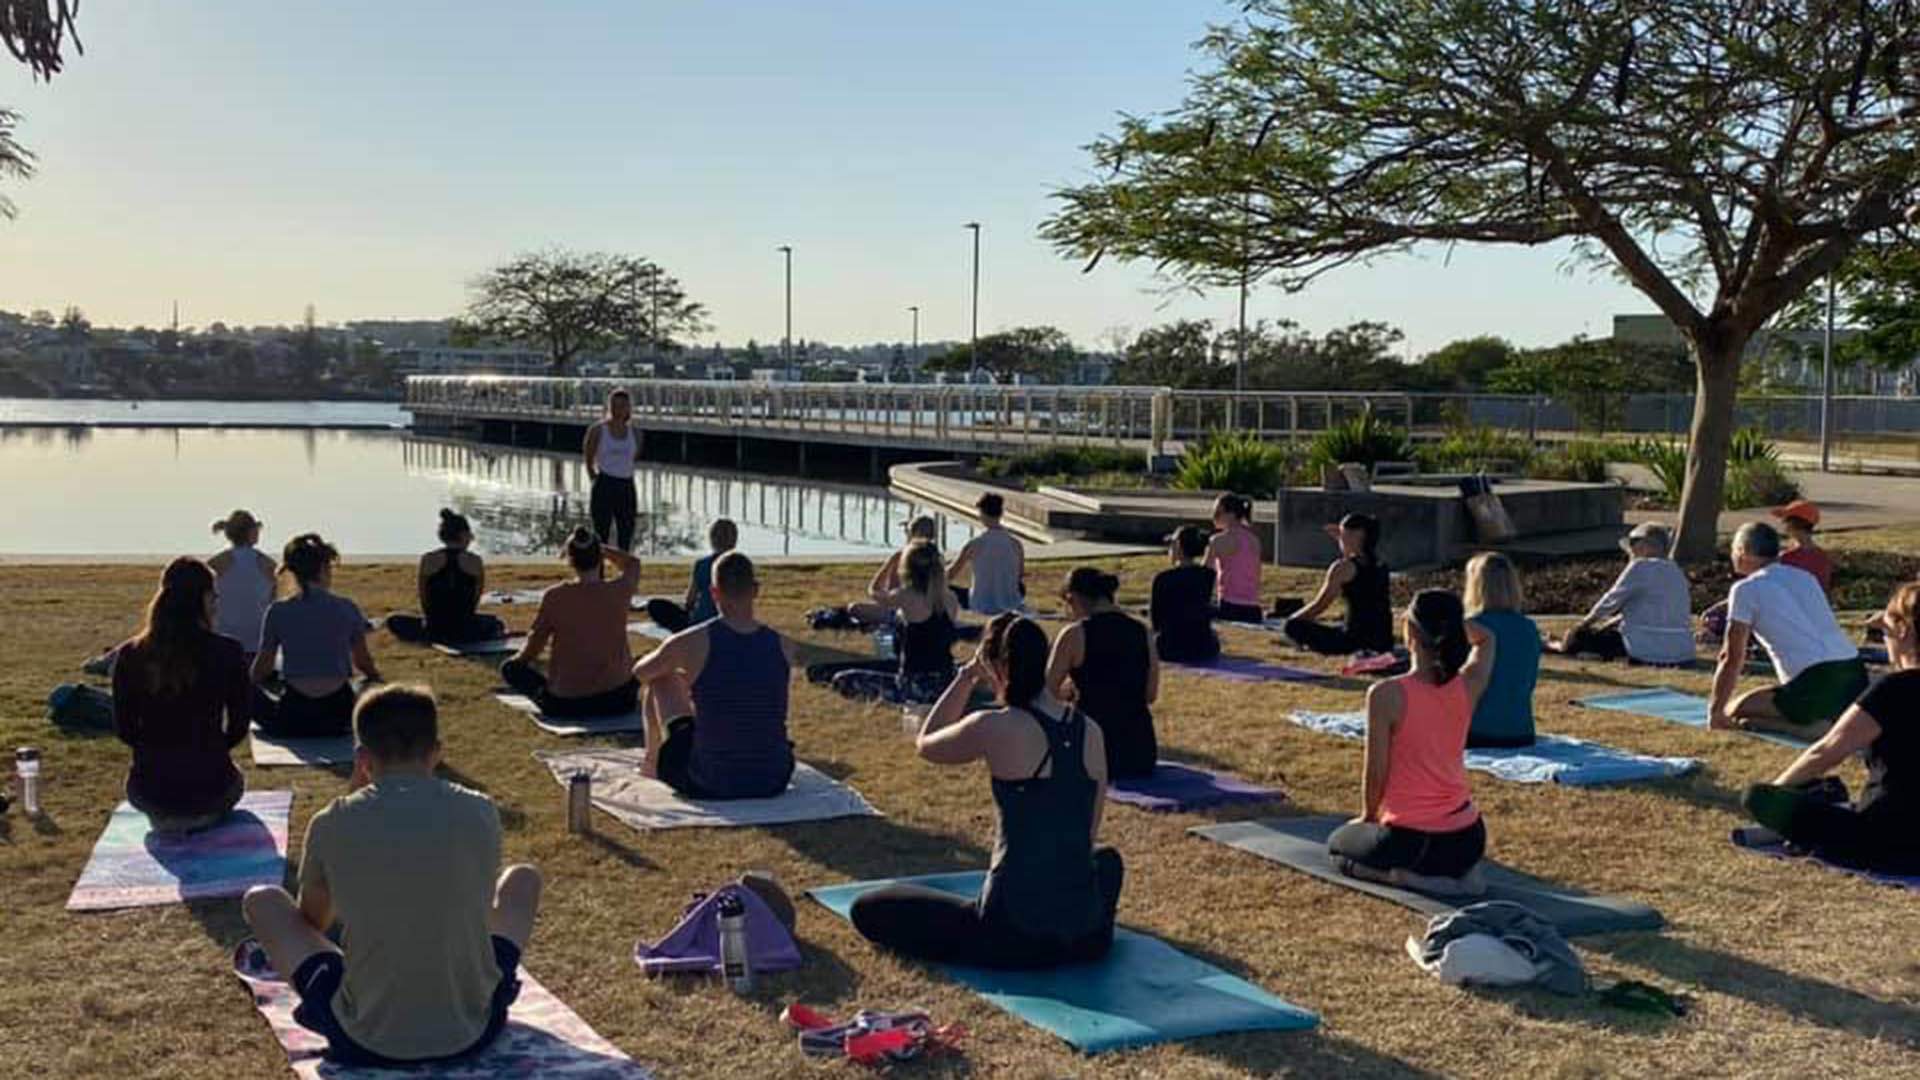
{"points": [[1301, 843]]}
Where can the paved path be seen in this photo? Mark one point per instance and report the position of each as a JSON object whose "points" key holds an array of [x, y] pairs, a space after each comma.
{"points": [[1846, 501]]}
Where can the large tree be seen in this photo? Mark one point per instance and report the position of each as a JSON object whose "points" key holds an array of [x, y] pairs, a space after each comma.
{"points": [[1720, 155], [1032, 351], [570, 302]]}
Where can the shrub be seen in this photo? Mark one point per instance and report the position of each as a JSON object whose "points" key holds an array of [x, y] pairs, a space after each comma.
{"points": [[1065, 461], [1365, 439], [1749, 445], [1233, 461], [1755, 476], [1470, 448], [1759, 481], [1668, 460], [1582, 461]]}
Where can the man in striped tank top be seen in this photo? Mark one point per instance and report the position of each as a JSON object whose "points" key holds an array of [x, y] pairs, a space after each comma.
{"points": [[716, 698]]}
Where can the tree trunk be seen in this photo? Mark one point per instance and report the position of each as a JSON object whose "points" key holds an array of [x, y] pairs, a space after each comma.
{"points": [[1717, 367]]}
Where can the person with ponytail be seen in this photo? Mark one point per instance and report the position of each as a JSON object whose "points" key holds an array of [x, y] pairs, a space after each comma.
{"points": [[585, 620], [1181, 607], [449, 583], [923, 610], [1234, 555], [1050, 894], [1362, 582], [1496, 602], [182, 702], [318, 639], [1418, 826], [242, 582], [1104, 663]]}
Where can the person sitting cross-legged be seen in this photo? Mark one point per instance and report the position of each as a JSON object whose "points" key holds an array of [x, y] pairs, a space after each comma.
{"points": [[1104, 663], [874, 610], [1877, 831], [716, 698], [1645, 615], [722, 536], [318, 638], [995, 561], [1418, 825], [1181, 605], [409, 865], [585, 620], [1495, 601], [1818, 667], [1359, 578], [449, 583], [923, 610]]}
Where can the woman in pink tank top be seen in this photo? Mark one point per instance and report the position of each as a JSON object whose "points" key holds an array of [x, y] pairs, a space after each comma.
{"points": [[1418, 826], [1234, 554]]}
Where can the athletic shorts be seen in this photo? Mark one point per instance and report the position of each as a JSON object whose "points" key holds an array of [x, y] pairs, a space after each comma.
{"points": [[674, 766], [1821, 693], [318, 980]]}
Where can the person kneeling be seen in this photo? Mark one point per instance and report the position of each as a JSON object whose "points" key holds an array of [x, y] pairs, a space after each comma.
{"points": [[410, 864], [1419, 827], [716, 698], [1050, 895], [1876, 832]]}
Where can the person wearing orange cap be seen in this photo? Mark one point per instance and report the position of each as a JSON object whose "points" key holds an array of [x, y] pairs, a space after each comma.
{"points": [[1798, 519]]}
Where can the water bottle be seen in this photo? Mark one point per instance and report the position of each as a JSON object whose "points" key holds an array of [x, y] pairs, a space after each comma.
{"points": [[26, 765], [580, 802], [736, 966], [883, 643]]}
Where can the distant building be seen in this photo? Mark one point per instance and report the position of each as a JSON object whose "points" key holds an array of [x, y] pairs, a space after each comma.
{"points": [[1792, 359], [447, 360]]}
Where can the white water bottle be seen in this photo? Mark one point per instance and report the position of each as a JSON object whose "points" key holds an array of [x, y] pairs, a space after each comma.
{"points": [[26, 765]]}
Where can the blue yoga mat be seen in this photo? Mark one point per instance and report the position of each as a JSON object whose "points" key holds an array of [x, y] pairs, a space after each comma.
{"points": [[1762, 841], [1664, 704], [1144, 992], [1555, 759]]}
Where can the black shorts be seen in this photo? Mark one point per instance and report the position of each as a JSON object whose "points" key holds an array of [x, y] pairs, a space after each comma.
{"points": [[674, 766], [318, 979]]}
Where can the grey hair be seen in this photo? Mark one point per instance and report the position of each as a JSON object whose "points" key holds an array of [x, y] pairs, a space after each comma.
{"points": [[1758, 539]]}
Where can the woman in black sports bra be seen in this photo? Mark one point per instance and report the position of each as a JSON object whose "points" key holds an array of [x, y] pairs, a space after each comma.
{"points": [[450, 583], [1050, 894]]}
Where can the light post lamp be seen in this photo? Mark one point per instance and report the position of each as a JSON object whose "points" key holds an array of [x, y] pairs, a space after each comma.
{"points": [[786, 342], [913, 351], [973, 334]]}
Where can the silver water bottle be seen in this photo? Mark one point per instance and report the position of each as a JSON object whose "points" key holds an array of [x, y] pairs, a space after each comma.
{"points": [[736, 964], [580, 803], [26, 765]]}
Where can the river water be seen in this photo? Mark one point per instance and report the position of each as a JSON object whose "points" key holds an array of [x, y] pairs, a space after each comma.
{"points": [[83, 489]]}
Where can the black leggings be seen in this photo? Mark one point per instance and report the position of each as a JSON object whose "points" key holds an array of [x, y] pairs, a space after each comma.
{"points": [[614, 505], [293, 715], [1877, 838], [1239, 613], [1388, 847], [668, 615], [414, 628], [941, 928], [1322, 638], [1604, 642], [526, 679]]}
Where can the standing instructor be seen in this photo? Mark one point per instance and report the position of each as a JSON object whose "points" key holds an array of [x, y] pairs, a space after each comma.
{"points": [[612, 447]]}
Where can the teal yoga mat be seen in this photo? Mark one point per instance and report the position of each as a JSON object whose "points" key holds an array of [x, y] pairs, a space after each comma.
{"points": [[1144, 992], [1664, 704]]}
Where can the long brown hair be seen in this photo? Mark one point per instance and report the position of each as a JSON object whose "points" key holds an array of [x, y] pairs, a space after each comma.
{"points": [[1019, 644], [174, 638]]}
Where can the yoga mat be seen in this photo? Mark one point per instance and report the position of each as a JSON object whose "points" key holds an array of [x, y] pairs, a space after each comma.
{"points": [[649, 629], [1764, 841], [542, 1038], [1144, 992], [1557, 759], [1672, 705], [505, 597], [1301, 844], [1184, 787], [133, 867], [324, 750], [573, 725], [496, 647], [1246, 670], [642, 803]]}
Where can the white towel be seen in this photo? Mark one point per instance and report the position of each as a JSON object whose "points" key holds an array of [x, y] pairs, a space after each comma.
{"points": [[642, 803]]}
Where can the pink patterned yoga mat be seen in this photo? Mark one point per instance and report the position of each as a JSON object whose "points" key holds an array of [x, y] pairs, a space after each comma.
{"points": [[132, 866], [543, 1038]]}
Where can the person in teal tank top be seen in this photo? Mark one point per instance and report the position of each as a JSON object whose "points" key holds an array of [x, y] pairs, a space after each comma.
{"points": [[1504, 715]]}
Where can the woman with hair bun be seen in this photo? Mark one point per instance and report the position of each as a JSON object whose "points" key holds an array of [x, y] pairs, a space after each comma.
{"points": [[1050, 894], [449, 583], [243, 581], [1104, 663], [181, 700], [1361, 581], [1234, 555], [1418, 825], [319, 639], [585, 620]]}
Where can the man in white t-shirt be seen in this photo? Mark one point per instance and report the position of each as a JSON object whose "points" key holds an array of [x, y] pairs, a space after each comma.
{"points": [[1818, 667]]}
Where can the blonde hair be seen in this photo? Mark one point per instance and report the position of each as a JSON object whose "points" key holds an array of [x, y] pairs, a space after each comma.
{"points": [[1493, 584]]}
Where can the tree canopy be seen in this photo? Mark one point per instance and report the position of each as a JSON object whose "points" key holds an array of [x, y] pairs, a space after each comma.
{"points": [[35, 32], [1032, 351], [571, 302], [1720, 155]]}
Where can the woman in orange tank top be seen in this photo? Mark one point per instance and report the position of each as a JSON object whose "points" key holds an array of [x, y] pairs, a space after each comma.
{"points": [[1418, 825]]}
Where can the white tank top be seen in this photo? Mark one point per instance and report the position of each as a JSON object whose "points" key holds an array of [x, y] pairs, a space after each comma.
{"points": [[243, 591], [996, 573], [614, 456]]}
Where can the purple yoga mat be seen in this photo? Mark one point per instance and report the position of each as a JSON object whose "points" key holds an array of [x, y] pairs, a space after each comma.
{"points": [[1183, 787], [1243, 669], [694, 945]]}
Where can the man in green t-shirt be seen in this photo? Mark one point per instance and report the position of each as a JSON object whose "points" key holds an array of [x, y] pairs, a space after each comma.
{"points": [[410, 866]]}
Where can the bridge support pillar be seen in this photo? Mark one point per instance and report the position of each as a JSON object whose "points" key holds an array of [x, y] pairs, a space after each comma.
{"points": [[683, 446], [873, 464], [803, 458], [739, 452]]}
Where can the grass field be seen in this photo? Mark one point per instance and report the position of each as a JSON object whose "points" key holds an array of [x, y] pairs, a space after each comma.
{"points": [[1793, 970]]}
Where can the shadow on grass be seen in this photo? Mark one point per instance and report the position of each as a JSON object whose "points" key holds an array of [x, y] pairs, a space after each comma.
{"points": [[1812, 1000], [867, 848], [620, 851], [512, 819]]}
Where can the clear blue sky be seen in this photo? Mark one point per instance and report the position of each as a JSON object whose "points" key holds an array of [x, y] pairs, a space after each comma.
{"points": [[370, 157]]}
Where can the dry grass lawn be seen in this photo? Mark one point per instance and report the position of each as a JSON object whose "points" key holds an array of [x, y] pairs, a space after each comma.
{"points": [[1794, 971]]}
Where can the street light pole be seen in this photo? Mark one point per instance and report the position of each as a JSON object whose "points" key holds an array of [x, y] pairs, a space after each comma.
{"points": [[913, 353], [786, 343], [1826, 386], [973, 334]]}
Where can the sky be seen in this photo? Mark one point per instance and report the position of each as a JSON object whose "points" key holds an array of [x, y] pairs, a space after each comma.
{"points": [[371, 158]]}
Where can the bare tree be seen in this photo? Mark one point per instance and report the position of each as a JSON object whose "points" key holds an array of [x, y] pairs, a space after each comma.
{"points": [[1720, 155]]}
